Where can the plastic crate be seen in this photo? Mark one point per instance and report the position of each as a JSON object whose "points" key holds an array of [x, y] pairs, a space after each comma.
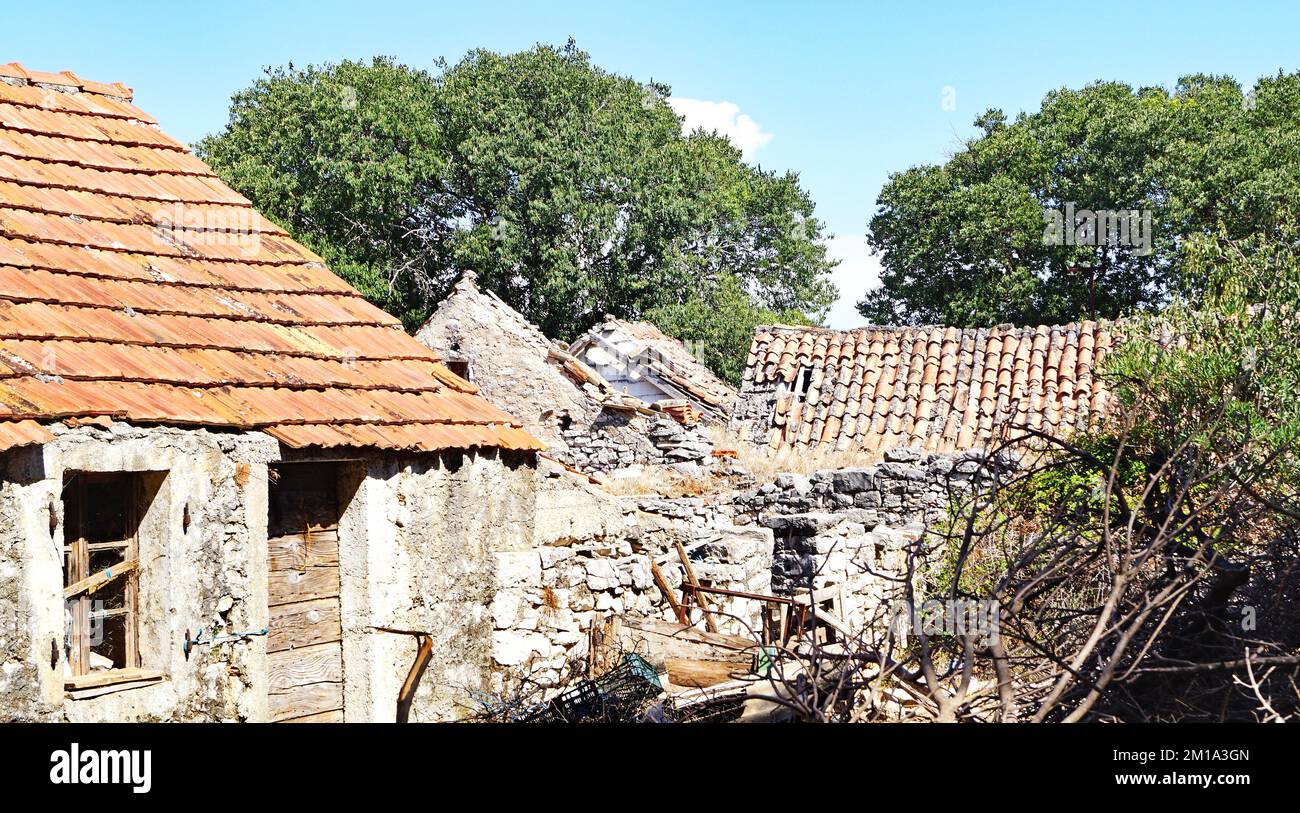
{"points": [[615, 696]]}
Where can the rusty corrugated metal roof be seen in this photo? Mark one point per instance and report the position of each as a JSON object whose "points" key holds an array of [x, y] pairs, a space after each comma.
{"points": [[939, 388], [135, 285], [22, 433]]}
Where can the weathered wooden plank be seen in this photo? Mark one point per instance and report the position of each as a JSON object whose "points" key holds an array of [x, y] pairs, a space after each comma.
{"points": [[667, 628], [661, 640], [110, 676], [299, 551], [111, 688], [698, 674], [285, 586], [667, 592], [332, 716], [692, 580], [289, 668], [301, 701], [303, 624], [98, 580]]}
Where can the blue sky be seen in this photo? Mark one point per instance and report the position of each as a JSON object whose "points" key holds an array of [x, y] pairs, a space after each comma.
{"points": [[842, 93]]}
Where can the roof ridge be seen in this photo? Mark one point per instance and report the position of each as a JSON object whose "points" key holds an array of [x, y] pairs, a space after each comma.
{"points": [[63, 79], [1004, 326]]}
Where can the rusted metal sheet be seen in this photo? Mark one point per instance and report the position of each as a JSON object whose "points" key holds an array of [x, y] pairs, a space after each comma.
{"points": [[22, 433], [423, 437]]}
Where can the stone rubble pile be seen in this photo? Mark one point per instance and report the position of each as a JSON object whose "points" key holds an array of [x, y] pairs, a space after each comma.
{"points": [[549, 598], [849, 527], [617, 441]]}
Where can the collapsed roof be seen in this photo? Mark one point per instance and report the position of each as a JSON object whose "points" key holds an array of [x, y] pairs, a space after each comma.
{"points": [[937, 388], [640, 351], [135, 285]]}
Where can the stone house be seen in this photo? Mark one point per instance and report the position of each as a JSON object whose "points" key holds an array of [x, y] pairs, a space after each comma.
{"points": [[584, 419], [933, 389], [225, 478]]}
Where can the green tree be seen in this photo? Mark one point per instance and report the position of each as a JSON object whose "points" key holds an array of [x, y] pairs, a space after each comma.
{"points": [[347, 158], [571, 192], [964, 243]]}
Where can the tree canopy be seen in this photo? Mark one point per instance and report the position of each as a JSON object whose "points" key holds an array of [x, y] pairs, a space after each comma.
{"points": [[967, 243], [570, 191]]}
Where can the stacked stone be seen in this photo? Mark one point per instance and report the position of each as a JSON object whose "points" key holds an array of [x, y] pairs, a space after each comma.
{"points": [[820, 549], [678, 444], [693, 511], [902, 490], [609, 445], [548, 598]]}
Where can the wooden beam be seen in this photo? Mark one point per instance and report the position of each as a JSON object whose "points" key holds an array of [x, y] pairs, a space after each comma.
{"points": [[98, 580], [694, 582], [108, 677], [423, 654], [802, 596], [660, 640], [742, 594], [668, 593]]}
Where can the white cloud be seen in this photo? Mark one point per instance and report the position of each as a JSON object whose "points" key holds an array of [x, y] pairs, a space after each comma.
{"points": [[858, 271], [724, 117]]}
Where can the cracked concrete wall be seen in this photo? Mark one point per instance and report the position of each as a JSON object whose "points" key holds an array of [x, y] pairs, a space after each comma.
{"points": [[417, 551]]}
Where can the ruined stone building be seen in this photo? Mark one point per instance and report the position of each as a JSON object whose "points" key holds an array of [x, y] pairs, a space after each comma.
{"points": [[232, 489], [584, 419], [226, 476], [934, 389], [641, 360], [906, 413]]}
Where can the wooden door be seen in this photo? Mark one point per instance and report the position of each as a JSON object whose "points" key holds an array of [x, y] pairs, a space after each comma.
{"points": [[305, 638]]}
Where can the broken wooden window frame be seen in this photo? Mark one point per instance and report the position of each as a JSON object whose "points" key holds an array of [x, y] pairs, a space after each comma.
{"points": [[81, 586]]}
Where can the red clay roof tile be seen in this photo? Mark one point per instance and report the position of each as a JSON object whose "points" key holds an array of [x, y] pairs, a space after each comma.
{"points": [[135, 285], [938, 388]]}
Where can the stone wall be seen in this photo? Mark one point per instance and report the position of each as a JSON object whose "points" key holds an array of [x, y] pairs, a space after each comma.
{"points": [[751, 416], [417, 550], [904, 488], [622, 439], [208, 510], [510, 564], [592, 562], [854, 527]]}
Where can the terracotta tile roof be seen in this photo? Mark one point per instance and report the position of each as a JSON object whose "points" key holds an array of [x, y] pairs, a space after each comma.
{"points": [[135, 285], [941, 389]]}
